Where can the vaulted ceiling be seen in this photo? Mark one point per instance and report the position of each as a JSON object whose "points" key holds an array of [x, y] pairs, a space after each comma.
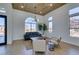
{"points": [[37, 8]]}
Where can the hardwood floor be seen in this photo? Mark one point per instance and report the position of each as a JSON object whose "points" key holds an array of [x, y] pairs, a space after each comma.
{"points": [[20, 47]]}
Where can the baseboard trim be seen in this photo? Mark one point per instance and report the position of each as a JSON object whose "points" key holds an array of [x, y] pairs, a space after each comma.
{"points": [[18, 39], [70, 43], [8, 43]]}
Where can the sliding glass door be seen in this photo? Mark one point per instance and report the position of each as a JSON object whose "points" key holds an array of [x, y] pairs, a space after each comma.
{"points": [[3, 30]]}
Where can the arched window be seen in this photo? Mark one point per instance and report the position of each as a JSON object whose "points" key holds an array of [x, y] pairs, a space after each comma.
{"points": [[30, 25], [50, 24]]}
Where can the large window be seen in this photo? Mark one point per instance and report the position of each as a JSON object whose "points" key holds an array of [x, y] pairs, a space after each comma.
{"points": [[50, 24], [30, 25], [3, 29], [74, 22]]}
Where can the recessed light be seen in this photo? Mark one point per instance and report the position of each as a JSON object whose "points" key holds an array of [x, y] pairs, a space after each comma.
{"points": [[22, 6], [50, 4], [40, 12]]}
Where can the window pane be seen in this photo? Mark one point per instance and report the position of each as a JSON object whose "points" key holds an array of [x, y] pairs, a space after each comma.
{"points": [[30, 20], [50, 19], [1, 26], [33, 27], [27, 28], [74, 32], [30, 25], [50, 24], [74, 22], [74, 26]]}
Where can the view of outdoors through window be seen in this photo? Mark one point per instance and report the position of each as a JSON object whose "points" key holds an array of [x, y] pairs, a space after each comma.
{"points": [[74, 22], [50, 24], [30, 25], [1, 30]]}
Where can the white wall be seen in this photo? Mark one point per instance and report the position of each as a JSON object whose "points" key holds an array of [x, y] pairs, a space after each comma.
{"points": [[19, 23], [15, 22], [61, 24], [8, 13]]}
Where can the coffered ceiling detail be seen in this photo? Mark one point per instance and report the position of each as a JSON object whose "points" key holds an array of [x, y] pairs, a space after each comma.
{"points": [[37, 8]]}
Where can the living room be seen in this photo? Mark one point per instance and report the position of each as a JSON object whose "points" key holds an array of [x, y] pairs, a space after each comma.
{"points": [[16, 17]]}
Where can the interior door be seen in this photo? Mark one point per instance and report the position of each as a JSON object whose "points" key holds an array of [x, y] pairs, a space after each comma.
{"points": [[3, 29]]}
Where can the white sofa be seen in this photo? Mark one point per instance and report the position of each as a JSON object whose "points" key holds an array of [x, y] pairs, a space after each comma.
{"points": [[39, 45]]}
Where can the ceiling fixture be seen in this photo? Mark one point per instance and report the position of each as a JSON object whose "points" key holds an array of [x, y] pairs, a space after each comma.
{"points": [[40, 12], [22, 6], [35, 12], [50, 5]]}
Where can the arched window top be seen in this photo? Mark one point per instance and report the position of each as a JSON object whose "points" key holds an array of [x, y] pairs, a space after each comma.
{"points": [[30, 20], [50, 19], [30, 24]]}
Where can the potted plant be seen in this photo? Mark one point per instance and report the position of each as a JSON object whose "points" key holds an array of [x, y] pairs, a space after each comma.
{"points": [[42, 27]]}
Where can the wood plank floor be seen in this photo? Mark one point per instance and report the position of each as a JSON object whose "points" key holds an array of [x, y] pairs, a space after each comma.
{"points": [[21, 47]]}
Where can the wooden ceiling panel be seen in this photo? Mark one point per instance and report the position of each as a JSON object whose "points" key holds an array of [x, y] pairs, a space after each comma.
{"points": [[37, 8]]}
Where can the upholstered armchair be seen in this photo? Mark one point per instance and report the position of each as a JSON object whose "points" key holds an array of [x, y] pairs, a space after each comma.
{"points": [[56, 41]]}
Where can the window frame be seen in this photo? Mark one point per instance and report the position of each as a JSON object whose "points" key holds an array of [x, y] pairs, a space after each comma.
{"points": [[70, 16], [30, 24], [50, 20]]}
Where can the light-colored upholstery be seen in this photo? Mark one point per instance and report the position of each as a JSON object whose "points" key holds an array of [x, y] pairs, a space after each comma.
{"points": [[39, 45], [56, 41]]}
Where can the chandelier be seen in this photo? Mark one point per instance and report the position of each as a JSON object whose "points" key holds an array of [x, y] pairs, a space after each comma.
{"points": [[34, 6]]}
